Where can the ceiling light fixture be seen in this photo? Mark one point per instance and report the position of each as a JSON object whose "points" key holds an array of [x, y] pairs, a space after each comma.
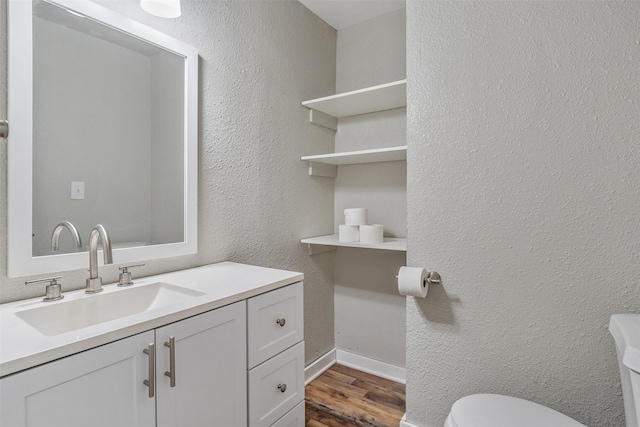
{"points": [[162, 8]]}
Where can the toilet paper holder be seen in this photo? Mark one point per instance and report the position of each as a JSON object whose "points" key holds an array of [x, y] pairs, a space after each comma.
{"points": [[433, 278]]}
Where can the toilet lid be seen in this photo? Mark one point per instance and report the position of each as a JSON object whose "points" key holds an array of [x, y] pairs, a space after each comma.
{"points": [[494, 410]]}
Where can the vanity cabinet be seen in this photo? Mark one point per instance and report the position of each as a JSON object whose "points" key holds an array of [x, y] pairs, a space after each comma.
{"points": [[109, 385], [181, 362]]}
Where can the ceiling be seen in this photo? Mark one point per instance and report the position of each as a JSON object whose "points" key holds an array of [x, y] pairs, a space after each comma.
{"points": [[344, 13]]}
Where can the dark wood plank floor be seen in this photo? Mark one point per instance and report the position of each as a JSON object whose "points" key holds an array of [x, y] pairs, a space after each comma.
{"points": [[345, 397]]}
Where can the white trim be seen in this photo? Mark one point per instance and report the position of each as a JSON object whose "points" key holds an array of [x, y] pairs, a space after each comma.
{"points": [[372, 366], [355, 361], [404, 423], [319, 366]]}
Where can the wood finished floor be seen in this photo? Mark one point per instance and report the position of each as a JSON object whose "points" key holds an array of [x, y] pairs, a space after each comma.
{"points": [[345, 397]]}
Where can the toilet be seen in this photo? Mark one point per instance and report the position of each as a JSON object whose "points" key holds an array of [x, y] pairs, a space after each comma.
{"points": [[494, 410]]}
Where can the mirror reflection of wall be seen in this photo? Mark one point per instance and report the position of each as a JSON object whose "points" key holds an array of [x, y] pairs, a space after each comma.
{"points": [[108, 112]]}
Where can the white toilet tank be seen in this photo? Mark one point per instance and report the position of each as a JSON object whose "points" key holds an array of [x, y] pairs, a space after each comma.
{"points": [[625, 329]]}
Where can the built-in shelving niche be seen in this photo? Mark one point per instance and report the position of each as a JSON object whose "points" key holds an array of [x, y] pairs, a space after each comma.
{"points": [[325, 112]]}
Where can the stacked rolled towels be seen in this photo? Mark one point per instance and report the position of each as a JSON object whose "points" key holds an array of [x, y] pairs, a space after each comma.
{"points": [[357, 229]]}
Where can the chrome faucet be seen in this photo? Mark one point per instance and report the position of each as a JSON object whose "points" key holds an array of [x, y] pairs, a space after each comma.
{"points": [[55, 236], [94, 283]]}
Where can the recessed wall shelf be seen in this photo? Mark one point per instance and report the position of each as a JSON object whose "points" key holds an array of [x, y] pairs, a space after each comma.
{"points": [[326, 164], [389, 154], [362, 101], [390, 243]]}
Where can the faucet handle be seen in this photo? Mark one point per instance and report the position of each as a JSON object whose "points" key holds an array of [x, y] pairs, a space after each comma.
{"points": [[53, 289], [124, 279]]}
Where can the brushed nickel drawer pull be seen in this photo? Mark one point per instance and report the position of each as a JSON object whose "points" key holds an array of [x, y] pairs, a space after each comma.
{"points": [[151, 382], [171, 373], [281, 322], [282, 387], [4, 129]]}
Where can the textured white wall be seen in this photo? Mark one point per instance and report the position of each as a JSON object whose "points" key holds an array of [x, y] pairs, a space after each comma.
{"points": [[524, 193], [371, 52], [258, 60], [369, 312]]}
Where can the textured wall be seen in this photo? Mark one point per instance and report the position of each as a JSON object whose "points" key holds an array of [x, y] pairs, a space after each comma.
{"points": [[258, 60], [371, 52], [524, 193], [369, 312]]}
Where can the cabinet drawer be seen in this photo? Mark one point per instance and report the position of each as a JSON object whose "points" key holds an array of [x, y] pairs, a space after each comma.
{"points": [[293, 418], [275, 323], [276, 387]]}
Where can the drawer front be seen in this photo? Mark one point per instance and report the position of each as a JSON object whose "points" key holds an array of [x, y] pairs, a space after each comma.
{"points": [[293, 418], [275, 323], [276, 387]]}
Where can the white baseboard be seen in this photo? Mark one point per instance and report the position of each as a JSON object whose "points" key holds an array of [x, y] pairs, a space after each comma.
{"points": [[404, 423], [355, 361], [318, 367], [371, 366]]}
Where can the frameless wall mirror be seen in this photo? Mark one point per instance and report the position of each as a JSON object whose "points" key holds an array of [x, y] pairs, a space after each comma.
{"points": [[103, 114]]}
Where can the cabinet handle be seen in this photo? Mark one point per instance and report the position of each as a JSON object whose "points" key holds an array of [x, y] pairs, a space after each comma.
{"points": [[281, 322], [151, 382], [282, 388], [171, 373]]}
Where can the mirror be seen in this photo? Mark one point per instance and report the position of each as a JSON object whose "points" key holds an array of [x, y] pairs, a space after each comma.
{"points": [[103, 131]]}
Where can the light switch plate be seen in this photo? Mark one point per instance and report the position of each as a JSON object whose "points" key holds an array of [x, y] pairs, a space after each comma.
{"points": [[77, 190]]}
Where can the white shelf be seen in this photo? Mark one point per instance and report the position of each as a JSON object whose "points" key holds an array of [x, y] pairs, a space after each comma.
{"points": [[362, 101], [389, 244], [390, 154]]}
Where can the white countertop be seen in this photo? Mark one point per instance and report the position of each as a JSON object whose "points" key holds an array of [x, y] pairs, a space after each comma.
{"points": [[23, 347]]}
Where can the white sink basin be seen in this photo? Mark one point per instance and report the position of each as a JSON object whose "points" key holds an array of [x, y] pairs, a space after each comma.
{"points": [[67, 316]]}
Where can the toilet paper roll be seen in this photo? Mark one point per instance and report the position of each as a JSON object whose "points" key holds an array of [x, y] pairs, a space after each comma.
{"points": [[348, 233], [371, 233], [412, 281], [356, 216]]}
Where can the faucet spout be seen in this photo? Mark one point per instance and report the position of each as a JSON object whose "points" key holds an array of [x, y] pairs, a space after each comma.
{"points": [[57, 230], [94, 282]]}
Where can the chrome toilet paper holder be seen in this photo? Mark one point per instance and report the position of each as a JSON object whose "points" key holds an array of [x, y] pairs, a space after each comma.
{"points": [[433, 278]]}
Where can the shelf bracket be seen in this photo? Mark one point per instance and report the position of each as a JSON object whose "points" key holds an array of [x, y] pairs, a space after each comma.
{"points": [[318, 249], [321, 119], [323, 169]]}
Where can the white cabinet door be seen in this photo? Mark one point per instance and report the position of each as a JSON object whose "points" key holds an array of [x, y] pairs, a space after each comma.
{"points": [[99, 387], [210, 370]]}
